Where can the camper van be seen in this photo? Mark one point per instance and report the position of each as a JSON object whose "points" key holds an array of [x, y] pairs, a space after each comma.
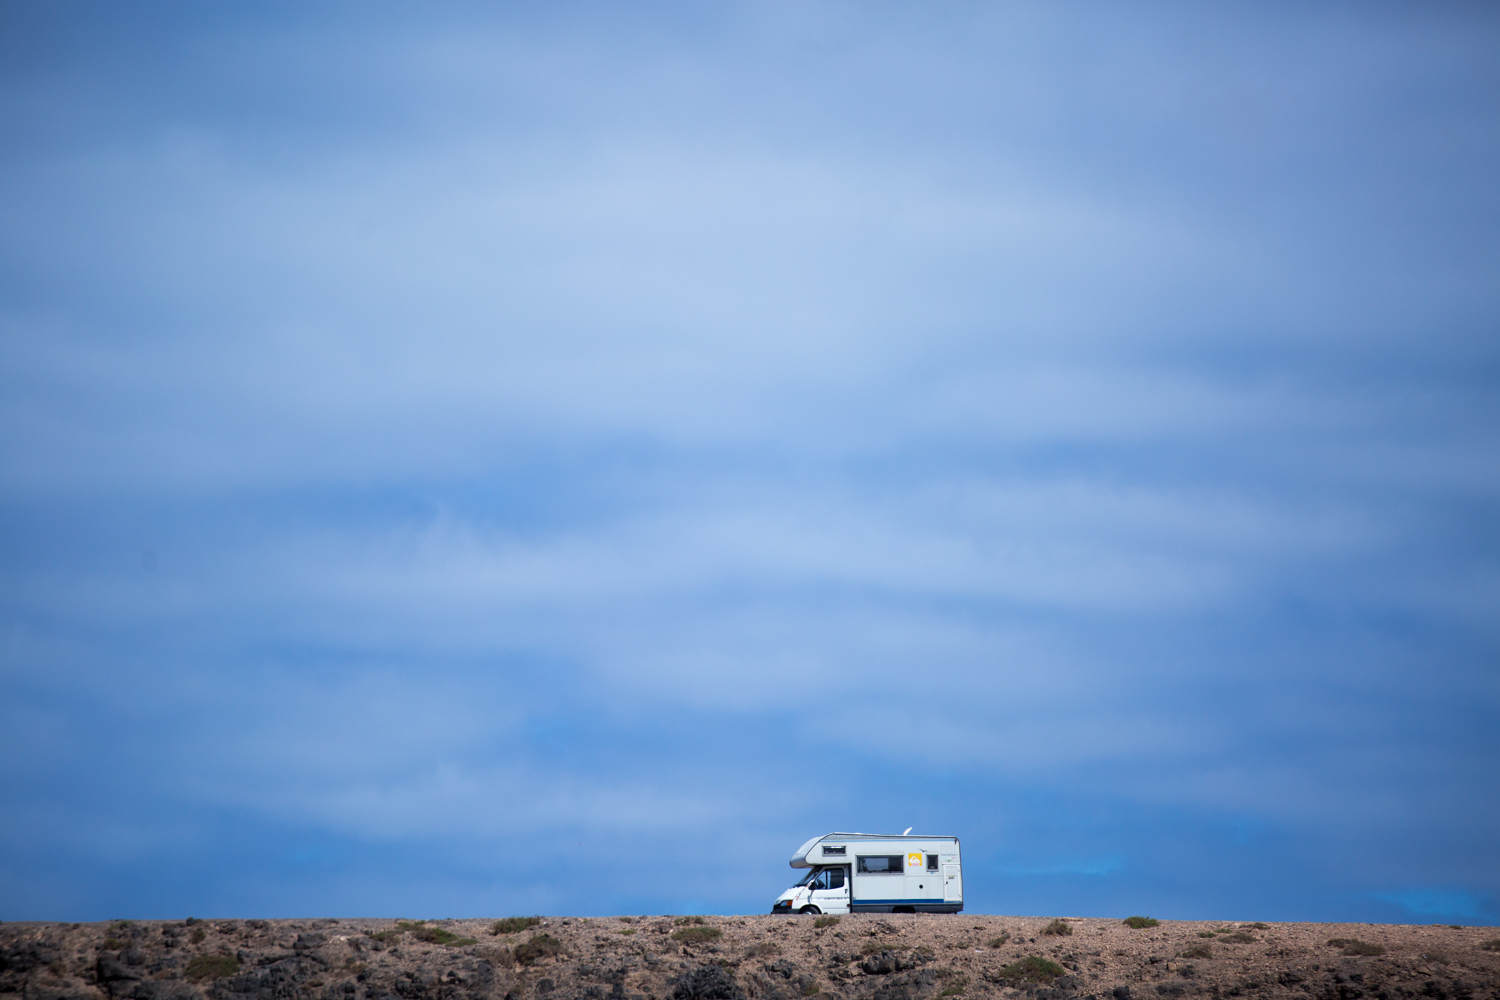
{"points": [[876, 873]]}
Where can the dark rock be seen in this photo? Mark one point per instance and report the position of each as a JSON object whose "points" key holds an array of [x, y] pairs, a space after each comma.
{"points": [[1289, 977], [109, 970], [545, 986], [707, 982], [782, 968], [132, 956], [1121, 993], [1171, 990], [309, 942], [25, 957], [167, 989], [911, 986], [884, 964]]}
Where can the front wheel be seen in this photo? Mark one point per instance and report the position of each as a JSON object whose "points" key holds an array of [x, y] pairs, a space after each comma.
{"points": [[809, 909]]}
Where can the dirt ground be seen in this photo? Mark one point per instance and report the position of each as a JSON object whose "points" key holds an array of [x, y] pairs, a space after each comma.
{"points": [[862, 957]]}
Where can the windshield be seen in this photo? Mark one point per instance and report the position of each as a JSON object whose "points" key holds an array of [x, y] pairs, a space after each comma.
{"points": [[812, 873]]}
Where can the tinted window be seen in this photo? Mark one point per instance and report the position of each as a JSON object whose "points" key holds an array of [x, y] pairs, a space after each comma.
{"points": [[831, 849], [882, 864], [835, 878], [932, 862]]}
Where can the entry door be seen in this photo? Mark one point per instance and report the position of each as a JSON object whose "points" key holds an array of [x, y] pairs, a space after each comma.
{"points": [[953, 885], [830, 890]]}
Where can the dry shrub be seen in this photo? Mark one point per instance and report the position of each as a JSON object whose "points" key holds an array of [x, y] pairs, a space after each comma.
{"points": [[513, 925], [1140, 923], [1493, 944], [763, 950], [206, 967], [1030, 970], [954, 982], [688, 921], [826, 922], [501, 957], [999, 942], [539, 947], [1354, 946], [1058, 928], [697, 935], [1198, 951]]}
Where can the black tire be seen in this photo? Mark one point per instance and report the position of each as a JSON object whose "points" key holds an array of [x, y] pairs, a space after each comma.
{"points": [[809, 909]]}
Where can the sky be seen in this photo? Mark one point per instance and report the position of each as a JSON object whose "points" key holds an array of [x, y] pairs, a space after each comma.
{"points": [[472, 460]]}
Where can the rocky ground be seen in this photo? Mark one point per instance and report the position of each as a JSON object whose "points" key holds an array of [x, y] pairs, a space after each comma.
{"points": [[864, 957]]}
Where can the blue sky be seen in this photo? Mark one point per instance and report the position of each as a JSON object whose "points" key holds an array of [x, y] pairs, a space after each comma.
{"points": [[485, 459]]}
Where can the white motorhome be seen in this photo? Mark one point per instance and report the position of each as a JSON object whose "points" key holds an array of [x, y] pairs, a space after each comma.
{"points": [[876, 873]]}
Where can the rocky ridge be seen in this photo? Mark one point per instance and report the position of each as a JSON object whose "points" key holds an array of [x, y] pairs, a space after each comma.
{"points": [[861, 957]]}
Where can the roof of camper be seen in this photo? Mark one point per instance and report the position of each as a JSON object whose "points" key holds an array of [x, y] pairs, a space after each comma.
{"points": [[799, 860]]}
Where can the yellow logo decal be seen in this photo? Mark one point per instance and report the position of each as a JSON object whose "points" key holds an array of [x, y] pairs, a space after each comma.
{"points": [[914, 860]]}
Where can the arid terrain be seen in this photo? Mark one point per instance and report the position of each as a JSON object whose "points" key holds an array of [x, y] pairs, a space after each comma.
{"points": [[862, 957]]}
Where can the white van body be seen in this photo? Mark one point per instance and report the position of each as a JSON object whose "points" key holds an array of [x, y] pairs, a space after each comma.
{"points": [[876, 873]]}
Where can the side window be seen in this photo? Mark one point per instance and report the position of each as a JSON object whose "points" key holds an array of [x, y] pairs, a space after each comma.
{"points": [[882, 864], [835, 878], [932, 862], [820, 881]]}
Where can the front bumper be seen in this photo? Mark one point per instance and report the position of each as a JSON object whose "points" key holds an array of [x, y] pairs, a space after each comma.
{"points": [[782, 906]]}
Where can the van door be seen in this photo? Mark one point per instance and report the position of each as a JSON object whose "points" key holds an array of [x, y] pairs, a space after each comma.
{"points": [[953, 885], [830, 890]]}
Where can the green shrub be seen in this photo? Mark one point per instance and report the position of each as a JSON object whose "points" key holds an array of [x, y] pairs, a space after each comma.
{"points": [[513, 925], [697, 935], [1198, 951], [1030, 970], [1058, 928], [628, 931], [826, 922], [1141, 922], [811, 988], [999, 942], [1205, 934], [1259, 926], [539, 947], [627, 920], [205, 967], [1354, 946], [688, 921], [1237, 937], [197, 936], [763, 949]]}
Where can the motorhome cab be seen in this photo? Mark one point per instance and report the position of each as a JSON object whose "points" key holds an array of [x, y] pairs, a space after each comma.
{"points": [[876, 873]]}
